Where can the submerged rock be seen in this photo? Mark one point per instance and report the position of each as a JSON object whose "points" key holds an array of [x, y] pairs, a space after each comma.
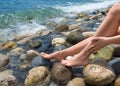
{"points": [[76, 82], [98, 73], [38, 76], [60, 74]]}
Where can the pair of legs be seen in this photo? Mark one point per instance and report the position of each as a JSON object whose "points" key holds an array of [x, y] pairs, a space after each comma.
{"points": [[109, 27]]}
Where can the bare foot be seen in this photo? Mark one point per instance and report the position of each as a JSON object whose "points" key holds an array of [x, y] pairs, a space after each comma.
{"points": [[56, 55], [80, 59]]}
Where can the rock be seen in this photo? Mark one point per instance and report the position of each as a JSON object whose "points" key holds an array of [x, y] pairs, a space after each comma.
{"points": [[58, 41], [38, 76], [7, 79], [24, 41], [116, 50], [88, 34], [60, 47], [105, 53], [4, 60], [117, 82], [75, 37], [31, 54], [20, 37], [76, 82], [81, 15], [61, 28], [52, 24], [60, 74], [9, 44], [26, 65], [98, 73], [34, 44], [23, 57], [73, 26], [40, 61], [17, 51], [115, 63]]}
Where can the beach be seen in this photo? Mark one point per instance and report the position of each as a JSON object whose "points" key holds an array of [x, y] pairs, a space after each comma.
{"points": [[50, 26]]}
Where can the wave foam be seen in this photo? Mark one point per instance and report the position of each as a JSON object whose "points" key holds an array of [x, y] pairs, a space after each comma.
{"points": [[86, 7]]}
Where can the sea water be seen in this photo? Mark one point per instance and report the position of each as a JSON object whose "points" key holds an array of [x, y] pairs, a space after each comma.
{"points": [[29, 16]]}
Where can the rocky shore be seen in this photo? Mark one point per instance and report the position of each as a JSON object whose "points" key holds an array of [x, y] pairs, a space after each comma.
{"points": [[19, 66]]}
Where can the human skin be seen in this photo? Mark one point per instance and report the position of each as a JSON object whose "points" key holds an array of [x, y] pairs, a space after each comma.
{"points": [[107, 33]]}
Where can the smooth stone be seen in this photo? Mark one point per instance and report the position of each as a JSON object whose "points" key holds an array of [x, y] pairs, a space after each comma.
{"points": [[73, 26], [17, 51], [7, 79], [31, 55], [76, 82], [34, 44], [116, 48], [24, 41], [75, 37], [9, 44], [4, 60], [98, 73], [88, 34], [23, 56], [62, 28], [117, 82], [38, 76], [115, 63], [40, 61], [60, 74], [60, 47], [58, 41], [52, 24], [104, 53]]}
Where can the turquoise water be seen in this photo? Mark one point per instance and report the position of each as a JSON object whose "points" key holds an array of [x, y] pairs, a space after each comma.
{"points": [[15, 15]]}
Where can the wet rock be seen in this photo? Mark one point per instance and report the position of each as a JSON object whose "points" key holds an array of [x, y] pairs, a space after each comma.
{"points": [[34, 44], [23, 57], [38, 76], [75, 37], [40, 61], [60, 74], [81, 15], [98, 73], [115, 63], [76, 82], [73, 26], [58, 41], [9, 44], [4, 60], [61, 28], [52, 24], [88, 34], [104, 53], [60, 47], [116, 48], [117, 81], [7, 79], [24, 41], [17, 51], [31, 54], [25, 65]]}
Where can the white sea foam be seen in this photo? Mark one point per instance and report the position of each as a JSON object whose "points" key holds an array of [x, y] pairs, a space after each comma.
{"points": [[76, 8]]}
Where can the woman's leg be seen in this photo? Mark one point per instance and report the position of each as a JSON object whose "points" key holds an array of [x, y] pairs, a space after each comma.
{"points": [[109, 27]]}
